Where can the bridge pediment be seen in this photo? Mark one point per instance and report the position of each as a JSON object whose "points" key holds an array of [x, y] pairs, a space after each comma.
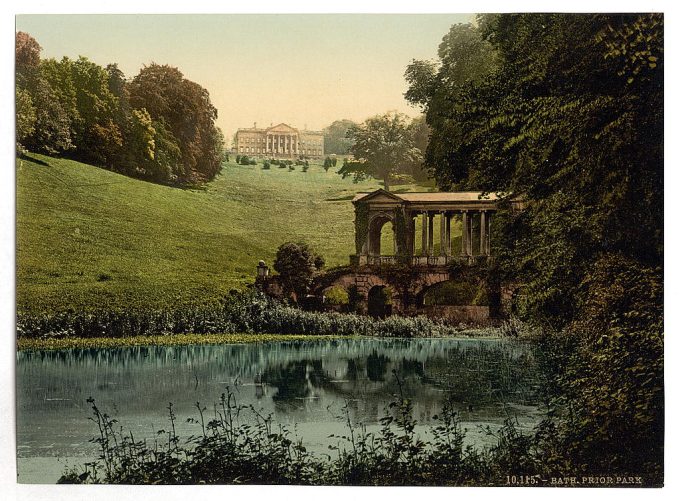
{"points": [[378, 197]]}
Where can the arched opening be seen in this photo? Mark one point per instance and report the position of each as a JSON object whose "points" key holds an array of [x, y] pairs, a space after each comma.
{"points": [[381, 239], [457, 292], [380, 301]]}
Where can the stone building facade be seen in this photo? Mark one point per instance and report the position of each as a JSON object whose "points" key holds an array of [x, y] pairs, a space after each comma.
{"points": [[279, 141]]}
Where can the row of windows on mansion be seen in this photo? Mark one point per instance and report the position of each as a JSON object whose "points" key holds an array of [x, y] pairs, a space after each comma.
{"points": [[279, 141]]}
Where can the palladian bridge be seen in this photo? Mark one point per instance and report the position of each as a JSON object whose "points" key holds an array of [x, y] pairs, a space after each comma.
{"points": [[422, 252], [374, 210]]}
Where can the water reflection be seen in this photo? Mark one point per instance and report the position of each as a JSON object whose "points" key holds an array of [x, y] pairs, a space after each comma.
{"points": [[303, 383]]}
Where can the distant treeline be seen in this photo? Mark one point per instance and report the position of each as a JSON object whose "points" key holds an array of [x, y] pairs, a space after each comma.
{"points": [[158, 126]]}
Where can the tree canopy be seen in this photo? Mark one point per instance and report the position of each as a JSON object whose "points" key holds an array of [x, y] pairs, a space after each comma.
{"points": [[383, 145], [335, 137], [159, 126], [567, 111], [296, 264]]}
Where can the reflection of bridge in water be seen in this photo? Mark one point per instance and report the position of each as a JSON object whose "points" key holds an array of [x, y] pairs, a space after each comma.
{"points": [[305, 383]]}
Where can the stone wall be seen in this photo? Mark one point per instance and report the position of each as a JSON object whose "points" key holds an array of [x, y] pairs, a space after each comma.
{"points": [[474, 315]]}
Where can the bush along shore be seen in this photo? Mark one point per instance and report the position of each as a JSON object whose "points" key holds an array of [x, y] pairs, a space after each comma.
{"points": [[237, 444], [240, 313]]}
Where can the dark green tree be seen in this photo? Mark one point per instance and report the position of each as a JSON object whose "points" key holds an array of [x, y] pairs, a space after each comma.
{"points": [[186, 109], [296, 264], [335, 137], [383, 146], [570, 117]]}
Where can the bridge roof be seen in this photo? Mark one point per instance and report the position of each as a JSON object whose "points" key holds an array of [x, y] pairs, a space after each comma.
{"points": [[434, 197]]}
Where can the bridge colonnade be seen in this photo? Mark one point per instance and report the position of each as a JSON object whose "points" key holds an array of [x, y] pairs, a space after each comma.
{"points": [[432, 211], [445, 242]]}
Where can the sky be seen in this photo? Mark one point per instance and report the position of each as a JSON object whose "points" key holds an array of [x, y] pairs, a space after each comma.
{"points": [[304, 70]]}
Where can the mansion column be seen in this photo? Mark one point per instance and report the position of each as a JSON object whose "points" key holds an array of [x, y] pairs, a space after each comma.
{"points": [[412, 235], [423, 247]]}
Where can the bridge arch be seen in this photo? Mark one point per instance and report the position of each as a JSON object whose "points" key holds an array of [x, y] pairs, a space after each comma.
{"points": [[375, 228], [379, 301]]}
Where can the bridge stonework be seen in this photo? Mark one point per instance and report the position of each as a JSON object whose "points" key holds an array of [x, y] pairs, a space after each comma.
{"points": [[365, 278]]}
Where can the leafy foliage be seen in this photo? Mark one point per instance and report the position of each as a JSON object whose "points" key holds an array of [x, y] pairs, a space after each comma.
{"points": [[185, 108], [568, 114], [296, 263], [158, 127], [242, 445], [335, 140], [383, 145], [239, 313]]}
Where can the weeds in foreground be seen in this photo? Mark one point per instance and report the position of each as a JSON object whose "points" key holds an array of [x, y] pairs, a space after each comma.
{"points": [[241, 445]]}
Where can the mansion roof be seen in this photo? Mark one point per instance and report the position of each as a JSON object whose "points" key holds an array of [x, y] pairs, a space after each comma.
{"points": [[281, 128]]}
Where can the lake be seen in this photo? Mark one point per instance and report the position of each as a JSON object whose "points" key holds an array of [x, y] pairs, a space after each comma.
{"points": [[303, 384]]}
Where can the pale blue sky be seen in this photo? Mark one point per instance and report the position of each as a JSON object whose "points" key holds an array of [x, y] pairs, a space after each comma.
{"points": [[298, 69]]}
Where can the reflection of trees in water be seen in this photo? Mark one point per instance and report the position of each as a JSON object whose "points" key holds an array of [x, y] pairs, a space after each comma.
{"points": [[481, 372], [294, 382], [376, 366]]}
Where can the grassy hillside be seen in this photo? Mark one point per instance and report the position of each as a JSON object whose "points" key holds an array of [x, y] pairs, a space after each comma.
{"points": [[90, 238]]}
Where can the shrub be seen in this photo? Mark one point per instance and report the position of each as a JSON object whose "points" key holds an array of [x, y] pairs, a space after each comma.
{"points": [[253, 162], [296, 264], [238, 159], [248, 312], [305, 168], [291, 167], [241, 445], [265, 166], [337, 296]]}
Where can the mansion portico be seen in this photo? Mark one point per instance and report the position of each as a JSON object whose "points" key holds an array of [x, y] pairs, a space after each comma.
{"points": [[279, 141]]}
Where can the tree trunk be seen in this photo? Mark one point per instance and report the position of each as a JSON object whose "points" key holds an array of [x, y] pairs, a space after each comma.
{"points": [[386, 182]]}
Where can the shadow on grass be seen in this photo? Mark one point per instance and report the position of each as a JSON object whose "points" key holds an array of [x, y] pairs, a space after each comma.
{"points": [[340, 199], [30, 158]]}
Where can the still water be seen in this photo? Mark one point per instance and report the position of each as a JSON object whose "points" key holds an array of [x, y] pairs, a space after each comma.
{"points": [[304, 385]]}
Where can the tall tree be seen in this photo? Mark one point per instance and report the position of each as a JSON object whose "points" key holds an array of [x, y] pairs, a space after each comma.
{"points": [[25, 117], [27, 52], [571, 118], [383, 145], [186, 109], [437, 87], [335, 137]]}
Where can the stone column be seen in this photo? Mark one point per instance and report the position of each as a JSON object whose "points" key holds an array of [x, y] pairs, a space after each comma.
{"points": [[471, 216], [482, 233], [442, 233], [423, 249], [448, 234], [412, 235], [488, 234], [430, 233], [464, 236]]}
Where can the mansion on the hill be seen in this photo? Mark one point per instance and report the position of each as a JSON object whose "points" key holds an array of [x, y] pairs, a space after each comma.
{"points": [[279, 141]]}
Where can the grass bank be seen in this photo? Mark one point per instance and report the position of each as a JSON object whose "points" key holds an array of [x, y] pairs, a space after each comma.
{"points": [[88, 238], [24, 344]]}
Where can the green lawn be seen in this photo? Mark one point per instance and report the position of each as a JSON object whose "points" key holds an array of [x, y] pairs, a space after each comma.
{"points": [[90, 238]]}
